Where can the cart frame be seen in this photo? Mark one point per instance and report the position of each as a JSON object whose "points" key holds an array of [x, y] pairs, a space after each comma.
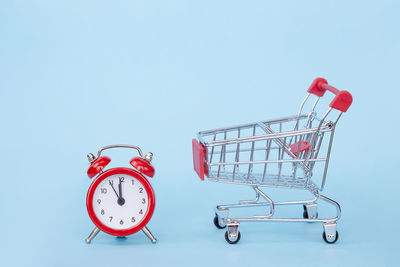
{"points": [[218, 154]]}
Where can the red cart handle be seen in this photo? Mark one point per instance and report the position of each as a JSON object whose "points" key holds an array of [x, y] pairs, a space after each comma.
{"points": [[341, 102]]}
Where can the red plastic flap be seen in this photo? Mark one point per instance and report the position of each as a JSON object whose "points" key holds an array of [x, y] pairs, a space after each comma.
{"points": [[295, 148], [316, 87], [342, 101], [199, 152]]}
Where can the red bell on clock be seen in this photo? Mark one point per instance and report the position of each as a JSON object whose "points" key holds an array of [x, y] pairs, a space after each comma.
{"points": [[143, 165], [97, 166]]}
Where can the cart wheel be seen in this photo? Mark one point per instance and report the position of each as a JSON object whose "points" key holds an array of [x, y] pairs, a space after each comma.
{"points": [[232, 241], [330, 242], [216, 222], [305, 213]]}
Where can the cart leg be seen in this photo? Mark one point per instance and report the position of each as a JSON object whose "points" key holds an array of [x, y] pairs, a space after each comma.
{"points": [[232, 234], [333, 202], [271, 203], [248, 203], [310, 211], [147, 232], [92, 235], [222, 214], [330, 234], [251, 201]]}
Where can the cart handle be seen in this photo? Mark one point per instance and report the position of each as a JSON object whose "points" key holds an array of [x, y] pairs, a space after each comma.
{"points": [[342, 100]]}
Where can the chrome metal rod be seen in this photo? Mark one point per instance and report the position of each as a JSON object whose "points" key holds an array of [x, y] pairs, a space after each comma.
{"points": [[272, 211], [258, 218], [300, 109], [333, 202], [248, 204], [92, 235], [328, 154], [246, 150], [147, 232], [268, 149], [120, 146], [236, 157], [250, 201], [263, 161], [250, 125], [264, 137]]}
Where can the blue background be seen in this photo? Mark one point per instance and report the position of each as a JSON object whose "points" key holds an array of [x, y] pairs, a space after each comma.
{"points": [[78, 75]]}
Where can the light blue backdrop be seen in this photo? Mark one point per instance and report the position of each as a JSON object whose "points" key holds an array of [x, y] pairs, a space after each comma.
{"points": [[77, 75]]}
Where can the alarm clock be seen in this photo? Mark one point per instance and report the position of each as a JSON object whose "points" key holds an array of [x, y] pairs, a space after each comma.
{"points": [[120, 201]]}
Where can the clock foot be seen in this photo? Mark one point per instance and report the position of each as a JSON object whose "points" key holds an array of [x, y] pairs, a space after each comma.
{"points": [[92, 235], [147, 232]]}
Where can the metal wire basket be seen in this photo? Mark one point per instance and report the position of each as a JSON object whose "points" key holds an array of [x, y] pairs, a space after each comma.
{"points": [[275, 153]]}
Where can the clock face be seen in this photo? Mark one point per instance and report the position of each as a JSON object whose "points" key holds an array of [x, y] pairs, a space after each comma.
{"points": [[120, 201]]}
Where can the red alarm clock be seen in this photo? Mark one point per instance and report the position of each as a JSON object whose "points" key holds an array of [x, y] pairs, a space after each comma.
{"points": [[120, 201]]}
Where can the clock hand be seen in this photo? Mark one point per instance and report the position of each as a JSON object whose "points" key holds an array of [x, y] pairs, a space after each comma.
{"points": [[121, 200], [112, 186], [120, 188]]}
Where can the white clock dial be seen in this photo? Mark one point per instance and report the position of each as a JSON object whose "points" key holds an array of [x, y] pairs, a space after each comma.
{"points": [[120, 201]]}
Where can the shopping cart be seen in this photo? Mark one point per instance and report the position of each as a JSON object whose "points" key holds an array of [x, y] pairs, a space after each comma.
{"points": [[276, 153]]}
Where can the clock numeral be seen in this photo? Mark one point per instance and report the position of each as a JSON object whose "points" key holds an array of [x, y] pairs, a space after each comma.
{"points": [[133, 182], [121, 222], [133, 219], [121, 179], [141, 212], [102, 212], [141, 190], [143, 200], [111, 218], [103, 190], [111, 182], [99, 201]]}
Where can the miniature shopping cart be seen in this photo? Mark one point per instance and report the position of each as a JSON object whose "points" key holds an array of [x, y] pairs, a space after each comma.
{"points": [[276, 153]]}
